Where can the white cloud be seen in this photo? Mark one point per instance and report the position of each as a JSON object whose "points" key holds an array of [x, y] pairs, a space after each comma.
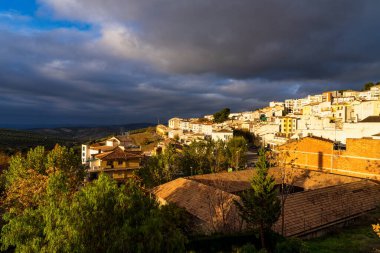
{"points": [[56, 69]]}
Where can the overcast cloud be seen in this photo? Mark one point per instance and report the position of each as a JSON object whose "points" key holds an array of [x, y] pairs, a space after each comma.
{"points": [[136, 61]]}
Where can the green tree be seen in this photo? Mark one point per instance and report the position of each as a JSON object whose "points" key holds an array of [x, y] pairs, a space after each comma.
{"points": [[99, 217], [368, 86], [201, 155], [17, 168], [222, 115], [236, 152], [160, 168], [220, 156], [248, 136], [26, 182], [36, 159], [260, 207], [153, 172]]}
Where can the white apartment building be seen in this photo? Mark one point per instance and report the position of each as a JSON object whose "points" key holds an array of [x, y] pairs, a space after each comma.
{"points": [[275, 103], [365, 109], [339, 100], [222, 135], [247, 116], [325, 109], [310, 122], [207, 129], [349, 130], [185, 125], [375, 92], [365, 95], [295, 105], [314, 99], [350, 93], [196, 127], [174, 123], [372, 94]]}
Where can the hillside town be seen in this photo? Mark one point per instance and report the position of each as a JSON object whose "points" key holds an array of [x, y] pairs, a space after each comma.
{"points": [[333, 115], [331, 139], [190, 126], [320, 154], [330, 147], [340, 121]]}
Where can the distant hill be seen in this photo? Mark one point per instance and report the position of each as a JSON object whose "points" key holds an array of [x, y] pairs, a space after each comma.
{"points": [[84, 134], [12, 141]]}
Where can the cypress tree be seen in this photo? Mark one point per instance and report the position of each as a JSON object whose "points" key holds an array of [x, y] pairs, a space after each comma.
{"points": [[260, 206]]}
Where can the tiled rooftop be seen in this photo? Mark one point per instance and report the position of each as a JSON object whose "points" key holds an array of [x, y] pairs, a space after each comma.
{"points": [[327, 198]]}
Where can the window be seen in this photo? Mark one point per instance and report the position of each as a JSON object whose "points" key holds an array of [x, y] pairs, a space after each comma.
{"points": [[84, 148], [84, 154], [120, 162]]}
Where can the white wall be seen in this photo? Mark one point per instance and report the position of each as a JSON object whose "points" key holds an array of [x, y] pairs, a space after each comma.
{"points": [[349, 130], [224, 136]]}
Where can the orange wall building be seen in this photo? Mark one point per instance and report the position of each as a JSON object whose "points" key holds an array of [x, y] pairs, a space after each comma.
{"points": [[361, 158]]}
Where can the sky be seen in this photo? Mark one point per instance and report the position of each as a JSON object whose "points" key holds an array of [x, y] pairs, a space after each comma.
{"points": [[96, 62]]}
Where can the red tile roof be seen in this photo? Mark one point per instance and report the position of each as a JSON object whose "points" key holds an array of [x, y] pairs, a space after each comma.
{"points": [[328, 199], [118, 153]]}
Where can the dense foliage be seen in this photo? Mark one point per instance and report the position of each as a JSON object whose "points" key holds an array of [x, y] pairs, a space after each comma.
{"points": [[50, 209], [198, 158], [260, 206], [222, 115]]}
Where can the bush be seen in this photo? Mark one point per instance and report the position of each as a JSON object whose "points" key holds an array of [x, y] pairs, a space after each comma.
{"points": [[248, 248], [291, 245]]}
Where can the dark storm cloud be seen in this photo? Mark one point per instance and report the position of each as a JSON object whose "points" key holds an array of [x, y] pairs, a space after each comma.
{"points": [[270, 39], [143, 60], [46, 80]]}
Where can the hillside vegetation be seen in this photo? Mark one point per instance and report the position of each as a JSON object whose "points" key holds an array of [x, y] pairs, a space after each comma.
{"points": [[13, 141], [84, 134], [146, 138]]}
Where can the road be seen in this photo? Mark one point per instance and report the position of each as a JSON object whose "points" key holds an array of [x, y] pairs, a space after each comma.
{"points": [[252, 156]]}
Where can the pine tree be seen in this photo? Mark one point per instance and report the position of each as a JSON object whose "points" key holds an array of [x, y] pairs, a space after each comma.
{"points": [[260, 206]]}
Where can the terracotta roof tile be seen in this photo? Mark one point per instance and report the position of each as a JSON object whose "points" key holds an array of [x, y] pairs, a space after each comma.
{"points": [[307, 211], [118, 153], [199, 200]]}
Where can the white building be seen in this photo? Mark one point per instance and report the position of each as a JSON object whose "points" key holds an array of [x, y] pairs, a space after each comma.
{"points": [[207, 128], [375, 92], [348, 130], [314, 99], [275, 103], [223, 135], [266, 131], [365, 109], [185, 125], [174, 123], [122, 141]]}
